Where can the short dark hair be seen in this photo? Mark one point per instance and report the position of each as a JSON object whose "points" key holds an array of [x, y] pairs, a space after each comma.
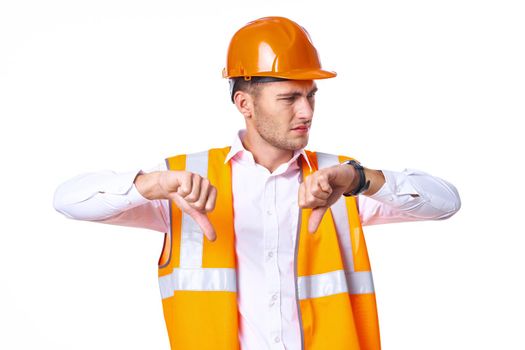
{"points": [[250, 86]]}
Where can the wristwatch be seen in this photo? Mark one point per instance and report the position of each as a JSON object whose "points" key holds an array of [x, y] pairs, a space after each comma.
{"points": [[364, 184]]}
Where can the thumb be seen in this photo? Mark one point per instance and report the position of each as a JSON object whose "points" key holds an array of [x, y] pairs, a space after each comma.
{"points": [[200, 218], [204, 222], [315, 218]]}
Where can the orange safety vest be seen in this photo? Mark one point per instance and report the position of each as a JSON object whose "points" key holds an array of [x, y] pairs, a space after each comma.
{"points": [[197, 278]]}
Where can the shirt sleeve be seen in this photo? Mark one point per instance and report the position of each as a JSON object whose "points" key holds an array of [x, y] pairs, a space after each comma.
{"points": [[410, 195], [112, 198]]}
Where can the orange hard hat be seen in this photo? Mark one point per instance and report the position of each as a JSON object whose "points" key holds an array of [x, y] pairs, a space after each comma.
{"points": [[273, 47]]}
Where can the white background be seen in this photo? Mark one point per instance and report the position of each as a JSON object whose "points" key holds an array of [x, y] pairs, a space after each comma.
{"points": [[89, 85]]}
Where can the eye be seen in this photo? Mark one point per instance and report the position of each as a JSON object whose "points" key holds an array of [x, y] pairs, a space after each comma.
{"points": [[289, 99], [311, 95]]}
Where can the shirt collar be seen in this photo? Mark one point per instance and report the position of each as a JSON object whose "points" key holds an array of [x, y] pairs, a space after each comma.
{"points": [[238, 147]]}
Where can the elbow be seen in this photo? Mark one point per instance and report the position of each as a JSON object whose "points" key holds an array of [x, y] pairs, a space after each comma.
{"points": [[59, 204], [457, 204], [453, 204]]}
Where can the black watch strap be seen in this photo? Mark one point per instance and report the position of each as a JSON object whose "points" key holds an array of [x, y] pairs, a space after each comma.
{"points": [[363, 185]]}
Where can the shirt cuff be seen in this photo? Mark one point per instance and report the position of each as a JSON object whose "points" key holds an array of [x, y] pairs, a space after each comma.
{"points": [[121, 190], [135, 198], [85, 186], [399, 191]]}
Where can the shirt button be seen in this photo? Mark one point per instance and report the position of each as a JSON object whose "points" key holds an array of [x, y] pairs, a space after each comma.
{"points": [[276, 339], [274, 297], [270, 254], [269, 212]]}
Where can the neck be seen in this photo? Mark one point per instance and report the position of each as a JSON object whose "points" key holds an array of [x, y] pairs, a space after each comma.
{"points": [[264, 153]]}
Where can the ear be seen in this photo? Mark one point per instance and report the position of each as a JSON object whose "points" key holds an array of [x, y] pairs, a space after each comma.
{"points": [[244, 103]]}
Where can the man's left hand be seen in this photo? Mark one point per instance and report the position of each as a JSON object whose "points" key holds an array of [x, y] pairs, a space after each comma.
{"points": [[323, 188]]}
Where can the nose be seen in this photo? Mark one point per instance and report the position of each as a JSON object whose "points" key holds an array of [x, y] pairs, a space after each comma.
{"points": [[304, 108]]}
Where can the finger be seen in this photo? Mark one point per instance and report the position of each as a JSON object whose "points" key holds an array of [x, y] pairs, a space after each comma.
{"points": [[324, 185], [309, 198], [314, 197], [203, 195], [313, 202], [321, 189], [212, 197], [315, 218], [204, 222], [194, 195], [185, 184]]}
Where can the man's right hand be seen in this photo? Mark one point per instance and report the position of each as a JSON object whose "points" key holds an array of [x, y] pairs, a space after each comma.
{"points": [[192, 193]]}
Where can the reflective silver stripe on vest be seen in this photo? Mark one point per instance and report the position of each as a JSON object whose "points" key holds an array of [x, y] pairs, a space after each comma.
{"points": [[191, 233], [201, 279], [360, 282], [322, 285], [340, 215], [335, 282]]}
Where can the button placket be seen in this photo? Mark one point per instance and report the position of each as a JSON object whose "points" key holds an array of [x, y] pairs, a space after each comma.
{"points": [[271, 239]]}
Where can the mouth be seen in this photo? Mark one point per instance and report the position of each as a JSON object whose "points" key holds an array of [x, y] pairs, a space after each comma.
{"points": [[301, 129]]}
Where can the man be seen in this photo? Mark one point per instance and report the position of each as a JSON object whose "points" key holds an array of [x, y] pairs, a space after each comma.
{"points": [[284, 265]]}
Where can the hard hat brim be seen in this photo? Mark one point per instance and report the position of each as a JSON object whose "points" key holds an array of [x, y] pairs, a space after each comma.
{"points": [[292, 75]]}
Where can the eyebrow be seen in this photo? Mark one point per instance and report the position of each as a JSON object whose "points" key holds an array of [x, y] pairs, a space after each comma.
{"points": [[297, 93]]}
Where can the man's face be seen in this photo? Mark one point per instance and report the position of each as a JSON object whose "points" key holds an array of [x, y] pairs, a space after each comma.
{"points": [[283, 112]]}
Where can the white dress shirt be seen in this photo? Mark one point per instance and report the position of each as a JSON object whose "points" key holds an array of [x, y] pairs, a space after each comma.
{"points": [[265, 221]]}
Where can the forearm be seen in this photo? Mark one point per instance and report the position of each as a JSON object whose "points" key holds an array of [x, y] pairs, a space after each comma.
{"points": [[97, 195], [409, 196], [112, 198]]}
